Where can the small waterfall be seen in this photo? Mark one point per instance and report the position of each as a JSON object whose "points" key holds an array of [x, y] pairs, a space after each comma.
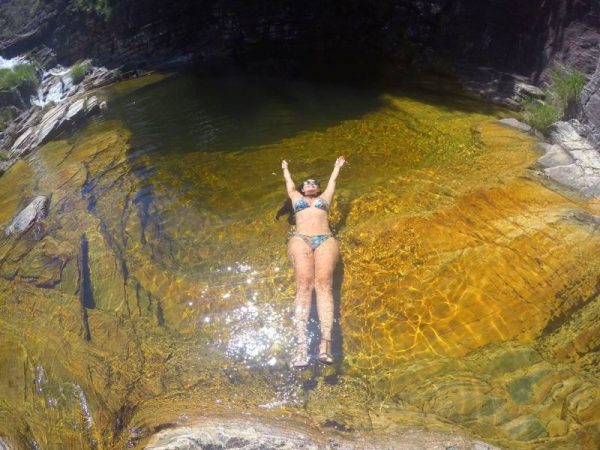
{"points": [[10, 63], [57, 84]]}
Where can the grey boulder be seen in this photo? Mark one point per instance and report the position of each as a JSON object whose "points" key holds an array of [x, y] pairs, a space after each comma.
{"points": [[34, 212]]}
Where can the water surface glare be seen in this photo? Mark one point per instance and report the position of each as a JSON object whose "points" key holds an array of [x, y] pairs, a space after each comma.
{"points": [[158, 289]]}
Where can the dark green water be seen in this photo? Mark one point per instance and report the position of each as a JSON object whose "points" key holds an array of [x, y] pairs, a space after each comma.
{"points": [[187, 113]]}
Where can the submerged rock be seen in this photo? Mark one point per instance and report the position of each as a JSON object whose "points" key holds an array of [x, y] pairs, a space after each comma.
{"points": [[254, 434], [514, 123], [525, 428], [34, 212], [4, 445]]}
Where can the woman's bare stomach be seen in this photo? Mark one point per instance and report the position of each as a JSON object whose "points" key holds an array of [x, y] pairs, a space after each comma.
{"points": [[312, 228]]}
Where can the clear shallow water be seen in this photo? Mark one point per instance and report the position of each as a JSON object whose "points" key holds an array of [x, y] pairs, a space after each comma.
{"points": [[466, 292]]}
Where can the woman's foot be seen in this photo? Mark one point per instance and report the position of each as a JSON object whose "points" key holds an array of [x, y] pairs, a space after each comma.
{"points": [[325, 352], [300, 356]]}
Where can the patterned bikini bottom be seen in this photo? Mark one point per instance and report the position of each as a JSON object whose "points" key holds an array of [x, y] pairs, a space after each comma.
{"points": [[312, 241]]}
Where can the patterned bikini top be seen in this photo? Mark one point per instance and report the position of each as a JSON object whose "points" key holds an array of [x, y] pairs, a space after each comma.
{"points": [[303, 204]]}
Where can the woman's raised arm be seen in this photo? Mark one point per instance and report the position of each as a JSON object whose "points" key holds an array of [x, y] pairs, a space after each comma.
{"points": [[289, 183], [329, 190]]}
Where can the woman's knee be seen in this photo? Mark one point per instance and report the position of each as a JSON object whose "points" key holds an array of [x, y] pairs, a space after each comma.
{"points": [[304, 284], [323, 284]]}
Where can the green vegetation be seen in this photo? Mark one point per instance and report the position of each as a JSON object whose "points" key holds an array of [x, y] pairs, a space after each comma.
{"points": [[562, 89], [540, 115], [101, 8], [23, 77], [564, 86], [78, 71]]}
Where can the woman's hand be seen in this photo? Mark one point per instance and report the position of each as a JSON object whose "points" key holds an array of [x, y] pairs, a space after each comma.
{"points": [[284, 164], [340, 162]]}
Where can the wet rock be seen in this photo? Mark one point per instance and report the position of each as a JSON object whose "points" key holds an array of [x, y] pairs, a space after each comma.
{"points": [[565, 135], [76, 110], [526, 90], [100, 76], [514, 123], [253, 434], [554, 155], [578, 335], [51, 122], [534, 384], [23, 143], [59, 118], [557, 427], [583, 216], [34, 212], [5, 445], [584, 405], [504, 359], [93, 105], [44, 264], [583, 174], [590, 106], [460, 399]]}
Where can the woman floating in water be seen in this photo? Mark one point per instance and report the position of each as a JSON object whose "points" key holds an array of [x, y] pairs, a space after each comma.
{"points": [[314, 253]]}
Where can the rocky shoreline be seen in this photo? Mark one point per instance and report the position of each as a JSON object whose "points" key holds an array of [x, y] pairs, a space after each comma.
{"points": [[243, 433], [58, 106]]}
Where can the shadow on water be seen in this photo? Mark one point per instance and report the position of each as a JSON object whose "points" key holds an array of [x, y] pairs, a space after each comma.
{"points": [[85, 280], [188, 113]]}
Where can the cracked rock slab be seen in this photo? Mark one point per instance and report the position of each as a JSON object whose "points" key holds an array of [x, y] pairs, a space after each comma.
{"points": [[572, 160]]}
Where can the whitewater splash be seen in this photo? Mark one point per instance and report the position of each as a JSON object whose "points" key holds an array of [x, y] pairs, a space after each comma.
{"points": [[57, 84], [10, 63]]}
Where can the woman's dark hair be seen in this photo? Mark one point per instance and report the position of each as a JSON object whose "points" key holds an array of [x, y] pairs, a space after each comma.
{"points": [[287, 209]]}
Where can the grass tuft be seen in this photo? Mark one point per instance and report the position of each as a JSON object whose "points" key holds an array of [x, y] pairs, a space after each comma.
{"points": [[100, 8], [565, 86], [540, 115], [562, 89], [22, 76], [78, 71]]}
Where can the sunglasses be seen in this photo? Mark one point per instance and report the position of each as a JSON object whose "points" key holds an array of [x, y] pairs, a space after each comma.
{"points": [[311, 182]]}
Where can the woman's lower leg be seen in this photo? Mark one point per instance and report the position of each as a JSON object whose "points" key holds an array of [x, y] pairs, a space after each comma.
{"points": [[325, 311], [301, 316]]}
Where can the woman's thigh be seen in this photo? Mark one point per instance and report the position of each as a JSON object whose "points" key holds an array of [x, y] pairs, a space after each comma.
{"points": [[302, 259], [326, 257]]}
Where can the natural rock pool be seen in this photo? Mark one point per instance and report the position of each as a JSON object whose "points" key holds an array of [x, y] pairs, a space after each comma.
{"points": [[158, 292]]}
